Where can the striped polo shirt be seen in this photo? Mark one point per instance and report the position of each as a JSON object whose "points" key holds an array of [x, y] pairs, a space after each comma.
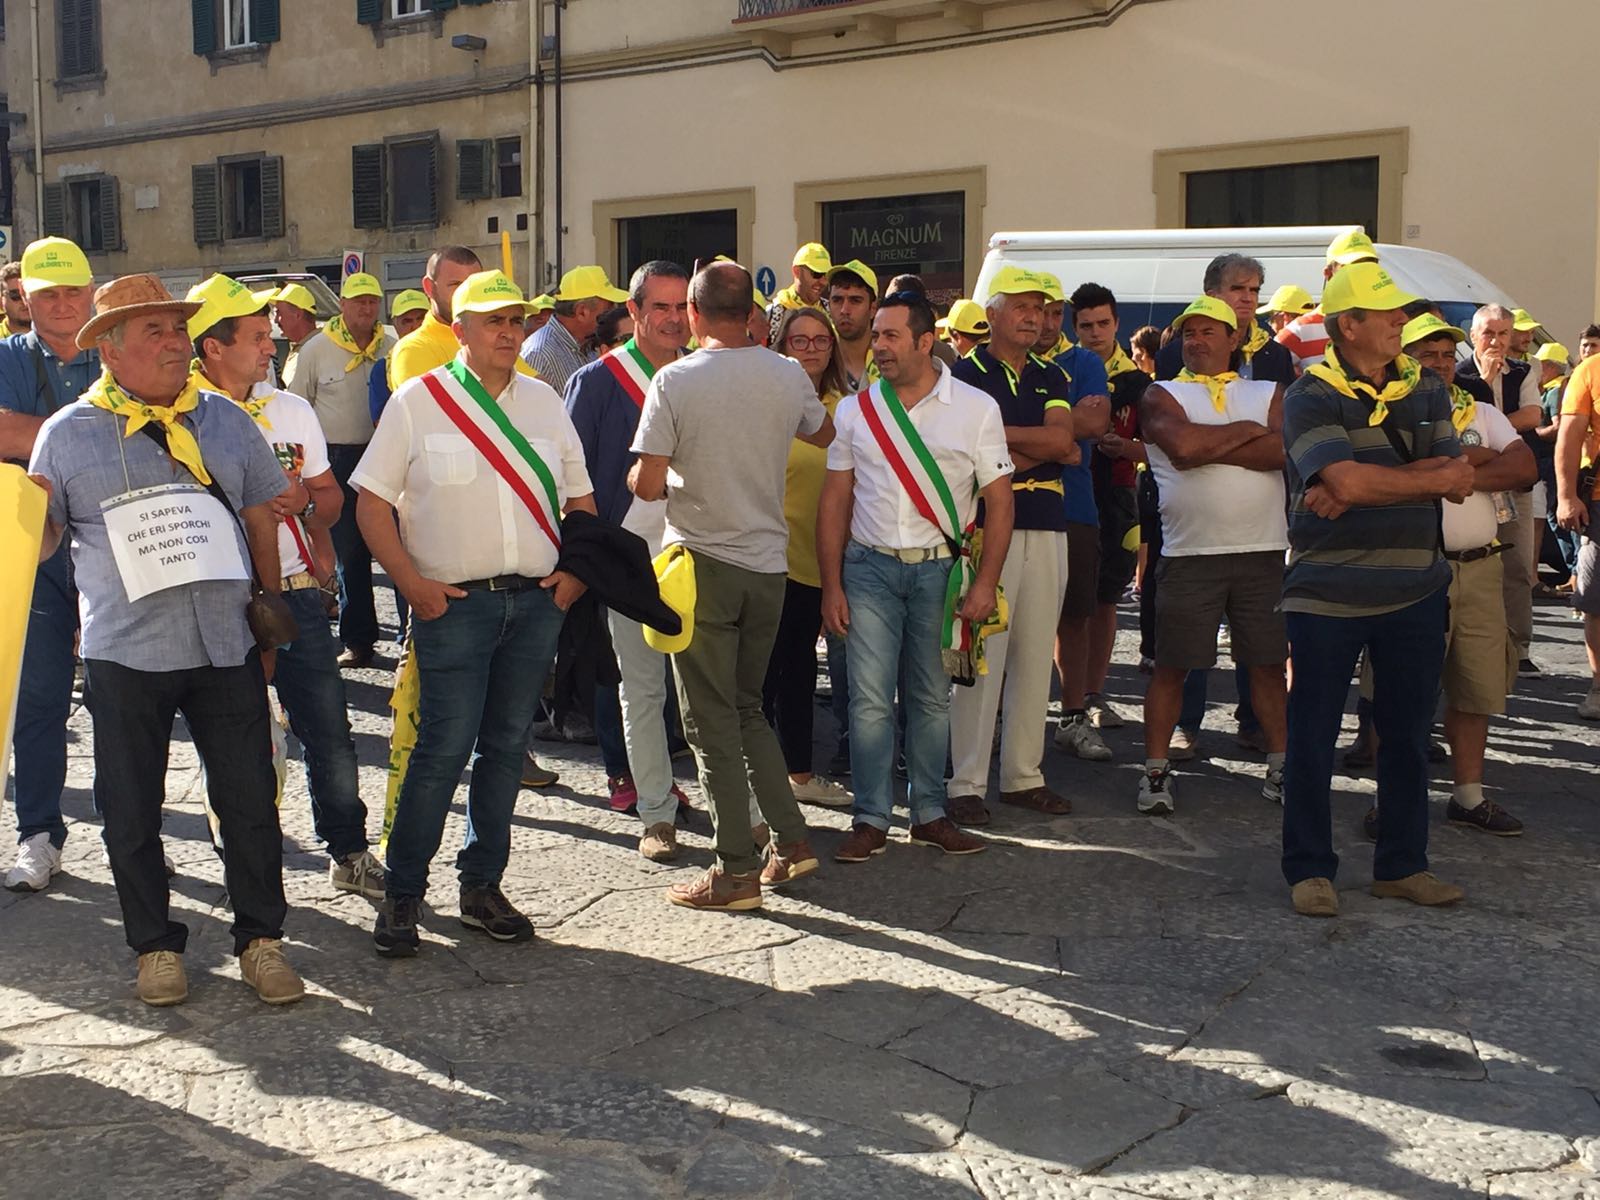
{"points": [[1371, 559]]}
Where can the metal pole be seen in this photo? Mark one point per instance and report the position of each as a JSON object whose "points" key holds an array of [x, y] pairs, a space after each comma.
{"points": [[38, 127], [560, 228]]}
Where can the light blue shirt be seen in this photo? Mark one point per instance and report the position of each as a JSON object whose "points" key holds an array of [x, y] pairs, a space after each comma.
{"points": [[552, 351], [81, 450]]}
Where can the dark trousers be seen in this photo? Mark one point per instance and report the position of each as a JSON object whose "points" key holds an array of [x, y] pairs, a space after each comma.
{"points": [[44, 701], [789, 693], [1406, 649], [226, 711], [358, 618]]}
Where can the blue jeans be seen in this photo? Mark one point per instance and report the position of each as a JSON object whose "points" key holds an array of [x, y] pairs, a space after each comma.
{"points": [[44, 702], [358, 618], [311, 690], [608, 729], [896, 610], [1194, 701], [482, 665], [1406, 649]]}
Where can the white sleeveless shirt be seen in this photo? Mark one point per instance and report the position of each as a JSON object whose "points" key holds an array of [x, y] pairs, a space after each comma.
{"points": [[1219, 509]]}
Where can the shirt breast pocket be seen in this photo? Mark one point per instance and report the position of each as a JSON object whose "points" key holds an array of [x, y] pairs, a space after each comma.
{"points": [[550, 454], [451, 459]]}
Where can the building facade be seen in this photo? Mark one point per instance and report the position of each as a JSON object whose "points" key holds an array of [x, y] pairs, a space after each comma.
{"points": [[191, 135]]}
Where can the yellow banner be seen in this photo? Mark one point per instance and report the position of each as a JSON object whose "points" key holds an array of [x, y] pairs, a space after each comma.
{"points": [[22, 512]]}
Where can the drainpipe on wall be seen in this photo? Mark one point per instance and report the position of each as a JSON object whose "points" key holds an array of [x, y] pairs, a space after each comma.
{"points": [[560, 227], [38, 127], [536, 149]]}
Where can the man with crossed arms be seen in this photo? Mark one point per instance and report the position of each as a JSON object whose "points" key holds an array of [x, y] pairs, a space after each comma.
{"points": [[480, 462]]}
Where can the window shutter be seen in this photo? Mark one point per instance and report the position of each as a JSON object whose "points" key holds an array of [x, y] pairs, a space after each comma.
{"points": [[475, 1], [203, 14], [206, 181], [474, 168], [441, 5], [55, 210], [80, 37], [369, 12], [110, 213], [264, 22], [433, 179], [369, 180], [272, 196]]}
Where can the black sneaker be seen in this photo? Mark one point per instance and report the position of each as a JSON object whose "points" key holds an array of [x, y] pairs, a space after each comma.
{"points": [[395, 931], [488, 909], [1369, 824], [839, 764], [1528, 669], [1488, 816]]}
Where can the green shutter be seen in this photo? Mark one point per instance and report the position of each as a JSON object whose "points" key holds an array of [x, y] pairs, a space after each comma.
{"points": [[264, 22], [475, 1], [206, 183], [441, 5], [433, 179], [368, 186], [272, 222], [110, 213], [369, 12], [55, 210], [203, 14], [77, 27], [474, 168]]}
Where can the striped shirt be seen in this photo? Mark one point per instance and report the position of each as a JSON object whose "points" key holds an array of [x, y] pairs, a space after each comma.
{"points": [[1372, 559], [1306, 338], [554, 354]]}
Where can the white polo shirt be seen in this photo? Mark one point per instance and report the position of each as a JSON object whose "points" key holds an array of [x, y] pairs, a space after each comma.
{"points": [[1472, 523], [458, 518], [962, 429]]}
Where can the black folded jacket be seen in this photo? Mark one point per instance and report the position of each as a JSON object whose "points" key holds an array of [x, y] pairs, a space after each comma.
{"points": [[615, 566]]}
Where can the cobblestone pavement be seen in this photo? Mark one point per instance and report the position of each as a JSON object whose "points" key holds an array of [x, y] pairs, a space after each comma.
{"points": [[1103, 1006]]}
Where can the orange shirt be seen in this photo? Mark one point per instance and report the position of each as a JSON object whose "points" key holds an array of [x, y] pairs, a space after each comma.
{"points": [[1582, 399]]}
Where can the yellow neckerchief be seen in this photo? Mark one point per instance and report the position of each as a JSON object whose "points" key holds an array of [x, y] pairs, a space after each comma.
{"points": [[1462, 408], [1257, 339], [1119, 363], [1063, 344], [1331, 371], [256, 408], [339, 334], [181, 444], [1217, 385]]}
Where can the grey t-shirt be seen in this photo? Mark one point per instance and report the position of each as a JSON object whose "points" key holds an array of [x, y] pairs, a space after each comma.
{"points": [[725, 419]]}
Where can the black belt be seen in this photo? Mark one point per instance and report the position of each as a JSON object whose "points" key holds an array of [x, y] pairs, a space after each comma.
{"points": [[499, 583], [1465, 556]]}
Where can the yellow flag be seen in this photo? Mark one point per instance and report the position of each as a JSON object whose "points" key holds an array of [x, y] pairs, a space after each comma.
{"points": [[505, 255], [22, 513]]}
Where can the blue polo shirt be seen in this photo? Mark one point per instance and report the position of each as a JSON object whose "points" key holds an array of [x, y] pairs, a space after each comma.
{"points": [[1023, 400], [1086, 376]]}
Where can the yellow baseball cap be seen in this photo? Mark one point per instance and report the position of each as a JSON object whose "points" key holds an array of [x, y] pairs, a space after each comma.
{"points": [[360, 284], [1521, 321], [1208, 306], [298, 295], [409, 300], [814, 257], [674, 568], [587, 283], [220, 298], [1290, 298], [1363, 285], [1012, 280], [965, 316], [1352, 247], [54, 262], [541, 303], [487, 291], [1055, 292], [1420, 329], [860, 270], [1553, 352]]}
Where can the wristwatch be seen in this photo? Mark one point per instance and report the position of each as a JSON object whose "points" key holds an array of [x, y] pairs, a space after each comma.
{"points": [[311, 507]]}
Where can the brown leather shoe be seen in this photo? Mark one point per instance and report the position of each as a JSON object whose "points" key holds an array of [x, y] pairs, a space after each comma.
{"points": [[355, 658], [1421, 888], [1315, 897], [863, 842], [944, 834], [660, 842], [1038, 799], [788, 861], [717, 891], [967, 810]]}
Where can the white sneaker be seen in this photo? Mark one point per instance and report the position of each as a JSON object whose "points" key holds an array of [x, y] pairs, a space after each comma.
{"points": [[1076, 736], [819, 789], [1272, 785], [360, 873], [1181, 746], [1589, 709], [166, 861], [1157, 793], [1101, 713], [37, 861]]}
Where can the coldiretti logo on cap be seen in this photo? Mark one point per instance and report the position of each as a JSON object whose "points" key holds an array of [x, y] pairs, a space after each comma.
{"points": [[54, 262]]}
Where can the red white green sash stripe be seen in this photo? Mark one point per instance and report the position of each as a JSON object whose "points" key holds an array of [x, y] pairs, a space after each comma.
{"points": [[463, 399], [632, 369], [914, 465]]}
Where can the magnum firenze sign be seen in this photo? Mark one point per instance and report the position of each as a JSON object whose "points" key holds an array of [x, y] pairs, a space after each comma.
{"points": [[922, 234]]}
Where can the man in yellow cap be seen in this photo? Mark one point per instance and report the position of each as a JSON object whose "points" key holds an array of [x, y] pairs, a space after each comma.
{"points": [[433, 343], [557, 350], [1053, 341], [966, 325], [1237, 280], [1306, 336], [1216, 451], [480, 463], [810, 268], [296, 310], [232, 336], [18, 317], [41, 372], [1288, 303], [852, 293], [333, 371], [540, 308], [1550, 361], [407, 311], [1523, 327], [1371, 454], [166, 532]]}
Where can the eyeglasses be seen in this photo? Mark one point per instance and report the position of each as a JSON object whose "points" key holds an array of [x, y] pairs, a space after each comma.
{"points": [[809, 341], [13, 295]]}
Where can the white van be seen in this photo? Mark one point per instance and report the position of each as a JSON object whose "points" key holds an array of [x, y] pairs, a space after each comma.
{"points": [[1155, 273]]}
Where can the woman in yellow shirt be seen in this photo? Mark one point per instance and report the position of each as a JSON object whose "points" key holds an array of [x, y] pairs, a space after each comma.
{"points": [[789, 695]]}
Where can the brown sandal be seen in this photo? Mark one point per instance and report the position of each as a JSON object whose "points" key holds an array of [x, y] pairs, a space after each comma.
{"points": [[1040, 799]]}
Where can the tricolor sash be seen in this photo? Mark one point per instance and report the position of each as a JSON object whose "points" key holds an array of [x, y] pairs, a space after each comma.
{"points": [[463, 398], [632, 369], [960, 644]]}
